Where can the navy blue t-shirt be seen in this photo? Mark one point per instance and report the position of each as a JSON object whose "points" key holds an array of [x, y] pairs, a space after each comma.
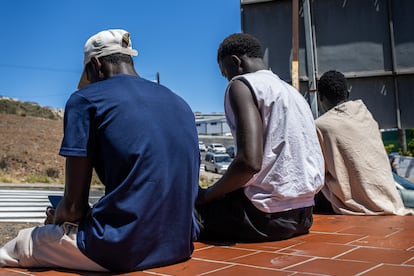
{"points": [[143, 143]]}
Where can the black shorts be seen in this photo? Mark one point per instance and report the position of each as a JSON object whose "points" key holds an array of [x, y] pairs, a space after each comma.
{"points": [[233, 218]]}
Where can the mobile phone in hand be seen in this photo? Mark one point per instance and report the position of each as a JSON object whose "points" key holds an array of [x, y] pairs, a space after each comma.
{"points": [[54, 200]]}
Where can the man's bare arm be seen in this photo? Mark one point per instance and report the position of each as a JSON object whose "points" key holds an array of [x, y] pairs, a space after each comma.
{"points": [[248, 160], [75, 205]]}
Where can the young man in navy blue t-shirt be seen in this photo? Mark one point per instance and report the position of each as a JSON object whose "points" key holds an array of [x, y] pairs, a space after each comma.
{"points": [[131, 131]]}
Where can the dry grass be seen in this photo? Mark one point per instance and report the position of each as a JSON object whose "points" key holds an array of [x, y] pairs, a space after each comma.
{"points": [[29, 149]]}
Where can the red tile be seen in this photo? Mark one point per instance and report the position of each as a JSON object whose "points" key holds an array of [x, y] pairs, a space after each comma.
{"points": [[328, 223], [220, 253], [331, 238], [404, 222], [410, 262], [402, 240], [338, 223], [387, 270], [271, 260], [317, 249], [270, 246], [199, 245], [371, 231], [379, 255], [363, 245], [11, 272], [376, 223], [191, 267], [332, 267], [245, 270]]}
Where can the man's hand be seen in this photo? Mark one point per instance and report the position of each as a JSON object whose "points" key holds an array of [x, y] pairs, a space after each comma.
{"points": [[50, 215]]}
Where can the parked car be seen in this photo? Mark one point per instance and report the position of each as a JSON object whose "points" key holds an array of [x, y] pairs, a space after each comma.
{"points": [[217, 162], [202, 146], [216, 148], [231, 151]]}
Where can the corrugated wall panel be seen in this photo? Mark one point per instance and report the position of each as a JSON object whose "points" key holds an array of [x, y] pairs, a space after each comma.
{"points": [[352, 36]]}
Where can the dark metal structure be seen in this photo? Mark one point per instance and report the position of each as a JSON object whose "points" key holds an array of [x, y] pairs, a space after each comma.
{"points": [[370, 41]]}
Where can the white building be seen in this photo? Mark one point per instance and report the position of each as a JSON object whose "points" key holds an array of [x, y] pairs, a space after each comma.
{"points": [[212, 124]]}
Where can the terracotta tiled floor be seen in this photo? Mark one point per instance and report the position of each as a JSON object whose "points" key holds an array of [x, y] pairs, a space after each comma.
{"points": [[337, 245]]}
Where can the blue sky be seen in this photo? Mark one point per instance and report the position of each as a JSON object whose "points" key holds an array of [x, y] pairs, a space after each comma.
{"points": [[42, 45]]}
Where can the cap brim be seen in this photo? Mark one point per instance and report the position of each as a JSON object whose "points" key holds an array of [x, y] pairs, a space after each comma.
{"points": [[83, 80]]}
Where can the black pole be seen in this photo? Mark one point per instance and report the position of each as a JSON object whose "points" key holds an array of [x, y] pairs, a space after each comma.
{"points": [[401, 132]]}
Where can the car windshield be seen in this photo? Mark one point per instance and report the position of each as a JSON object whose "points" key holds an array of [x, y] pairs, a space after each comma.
{"points": [[220, 159]]}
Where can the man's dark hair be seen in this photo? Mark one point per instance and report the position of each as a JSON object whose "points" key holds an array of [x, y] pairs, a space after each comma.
{"points": [[240, 44], [333, 86], [117, 59]]}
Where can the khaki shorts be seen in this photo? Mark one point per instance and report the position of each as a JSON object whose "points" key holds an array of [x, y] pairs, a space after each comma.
{"points": [[47, 246]]}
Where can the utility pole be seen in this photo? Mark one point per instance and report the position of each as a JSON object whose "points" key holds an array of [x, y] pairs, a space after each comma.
{"points": [[402, 139], [310, 58], [158, 77], [295, 44]]}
